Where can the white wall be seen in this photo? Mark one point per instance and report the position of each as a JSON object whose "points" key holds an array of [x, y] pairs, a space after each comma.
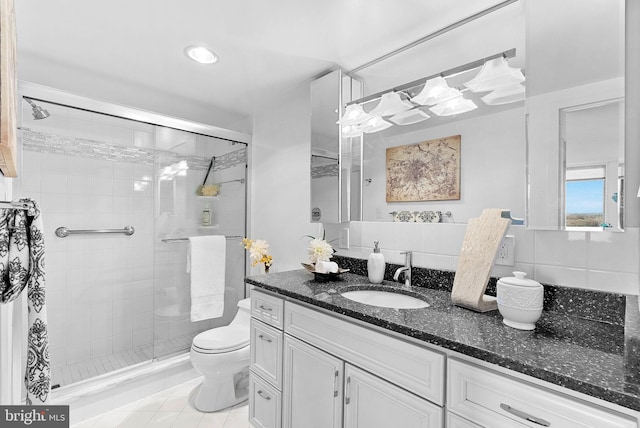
{"points": [[280, 181]]}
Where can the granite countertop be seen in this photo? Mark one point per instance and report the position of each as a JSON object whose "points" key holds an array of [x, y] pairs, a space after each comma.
{"points": [[596, 358]]}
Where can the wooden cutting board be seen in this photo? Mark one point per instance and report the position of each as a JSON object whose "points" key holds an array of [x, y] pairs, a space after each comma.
{"points": [[477, 256]]}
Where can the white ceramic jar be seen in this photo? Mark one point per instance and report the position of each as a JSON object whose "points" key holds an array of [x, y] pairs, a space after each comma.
{"points": [[520, 301]]}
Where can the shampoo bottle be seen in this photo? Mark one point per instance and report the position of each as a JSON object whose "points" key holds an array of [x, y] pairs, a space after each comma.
{"points": [[375, 265], [206, 216]]}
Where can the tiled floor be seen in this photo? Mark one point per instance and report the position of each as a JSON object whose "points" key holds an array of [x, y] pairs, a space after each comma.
{"points": [[170, 408]]}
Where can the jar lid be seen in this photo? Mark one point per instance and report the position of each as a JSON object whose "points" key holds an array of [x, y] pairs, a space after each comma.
{"points": [[520, 280]]}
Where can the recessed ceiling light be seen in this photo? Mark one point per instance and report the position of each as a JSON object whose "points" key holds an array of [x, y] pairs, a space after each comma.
{"points": [[201, 54]]}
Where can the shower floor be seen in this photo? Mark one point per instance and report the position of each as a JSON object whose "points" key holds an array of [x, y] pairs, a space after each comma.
{"points": [[87, 369]]}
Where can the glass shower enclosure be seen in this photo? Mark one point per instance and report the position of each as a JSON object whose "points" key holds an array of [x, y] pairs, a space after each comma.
{"points": [[117, 300]]}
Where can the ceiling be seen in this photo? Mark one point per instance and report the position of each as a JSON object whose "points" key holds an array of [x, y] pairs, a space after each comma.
{"points": [[131, 52]]}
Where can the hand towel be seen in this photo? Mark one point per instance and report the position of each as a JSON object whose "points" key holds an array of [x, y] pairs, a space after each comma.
{"points": [[326, 267], [206, 261]]}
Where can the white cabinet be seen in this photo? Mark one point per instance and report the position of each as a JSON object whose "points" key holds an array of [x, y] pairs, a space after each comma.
{"points": [[415, 368], [312, 387], [264, 403], [265, 364], [311, 369], [266, 352], [371, 402], [266, 308], [493, 400], [455, 421]]}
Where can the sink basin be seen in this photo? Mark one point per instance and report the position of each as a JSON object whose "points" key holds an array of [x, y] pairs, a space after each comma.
{"points": [[385, 299]]}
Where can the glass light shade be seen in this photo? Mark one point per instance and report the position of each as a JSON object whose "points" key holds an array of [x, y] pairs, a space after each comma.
{"points": [[374, 125], [354, 115], [505, 95], [494, 74], [390, 104], [435, 91], [410, 116], [454, 106]]}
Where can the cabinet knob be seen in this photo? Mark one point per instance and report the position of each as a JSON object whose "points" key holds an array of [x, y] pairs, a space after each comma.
{"points": [[265, 308]]}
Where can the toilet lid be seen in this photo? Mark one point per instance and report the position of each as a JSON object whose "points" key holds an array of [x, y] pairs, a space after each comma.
{"points": [[222, 339]]}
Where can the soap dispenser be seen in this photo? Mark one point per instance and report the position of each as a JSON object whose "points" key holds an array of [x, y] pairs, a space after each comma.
{"points": [[375, 265]]}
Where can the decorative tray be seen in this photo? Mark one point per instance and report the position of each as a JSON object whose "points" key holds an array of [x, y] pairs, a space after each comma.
{"points": [[320, 276]]}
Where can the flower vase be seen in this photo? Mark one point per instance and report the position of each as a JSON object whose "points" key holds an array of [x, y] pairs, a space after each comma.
{"points": [[266, 268]]}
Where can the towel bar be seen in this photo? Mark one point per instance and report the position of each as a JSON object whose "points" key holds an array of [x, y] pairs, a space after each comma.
{"points": [[173, 240]]}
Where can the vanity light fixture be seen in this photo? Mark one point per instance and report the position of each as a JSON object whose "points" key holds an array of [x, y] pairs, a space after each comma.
{"points": [[351, 131], [453, 106], [390, 104], [374, 125], [201, 54], [505, 95], [409, 117], [494, 74], [435, 91], [354, 114]]}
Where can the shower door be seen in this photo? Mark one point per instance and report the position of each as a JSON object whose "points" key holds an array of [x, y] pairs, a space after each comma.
{"points": [[114, 300], [180, 172]]}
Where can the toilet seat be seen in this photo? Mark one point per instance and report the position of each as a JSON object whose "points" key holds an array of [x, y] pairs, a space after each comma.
{"points": [[220, 340]]}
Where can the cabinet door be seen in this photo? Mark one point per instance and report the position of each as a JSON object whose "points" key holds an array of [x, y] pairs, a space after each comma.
{"points": [[371, 402], [312, 387]]}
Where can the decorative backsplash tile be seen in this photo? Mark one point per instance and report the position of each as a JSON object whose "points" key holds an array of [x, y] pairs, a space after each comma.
{"points": [[324, 171], [81, 147]]}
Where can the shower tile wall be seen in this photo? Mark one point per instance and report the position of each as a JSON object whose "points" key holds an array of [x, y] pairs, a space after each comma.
{"points": [[103, 284], [111, 302]]}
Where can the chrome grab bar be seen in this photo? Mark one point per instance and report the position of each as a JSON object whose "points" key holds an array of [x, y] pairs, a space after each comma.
{"points": [[63, 232]]}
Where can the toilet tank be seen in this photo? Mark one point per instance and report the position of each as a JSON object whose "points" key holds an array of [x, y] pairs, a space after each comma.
{"points": [[244, 313]]}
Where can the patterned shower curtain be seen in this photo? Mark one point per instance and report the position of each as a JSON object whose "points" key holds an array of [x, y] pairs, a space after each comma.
{"points": [[22, 265]]}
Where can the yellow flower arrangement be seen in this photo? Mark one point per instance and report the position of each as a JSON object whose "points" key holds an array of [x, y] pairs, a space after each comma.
{"points": [[258, 252]]}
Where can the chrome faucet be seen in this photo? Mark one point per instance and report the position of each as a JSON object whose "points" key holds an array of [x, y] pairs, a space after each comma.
{"points": [[406, 269]]}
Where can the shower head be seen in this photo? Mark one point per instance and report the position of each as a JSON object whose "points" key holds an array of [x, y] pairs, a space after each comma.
{"points": [[38, 112]]}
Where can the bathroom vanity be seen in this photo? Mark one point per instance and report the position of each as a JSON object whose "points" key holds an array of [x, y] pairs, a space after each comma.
{"points": [[319, 359]]}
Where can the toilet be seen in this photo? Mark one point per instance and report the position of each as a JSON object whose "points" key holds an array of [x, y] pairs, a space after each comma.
{"points": [[221, 355]]}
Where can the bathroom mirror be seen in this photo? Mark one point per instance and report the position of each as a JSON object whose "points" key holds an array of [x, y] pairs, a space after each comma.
{"points": [[492, 137], [575, 115], [335, 158], [325, 148]]}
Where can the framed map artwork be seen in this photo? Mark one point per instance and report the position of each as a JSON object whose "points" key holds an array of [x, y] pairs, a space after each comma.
{"points": [[427, 171]]}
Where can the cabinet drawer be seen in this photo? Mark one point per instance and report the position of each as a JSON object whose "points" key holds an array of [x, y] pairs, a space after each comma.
{"points": [[266, 308], [266, 352], [410, 366], [265, 404], [497, 401], [455, 421]]}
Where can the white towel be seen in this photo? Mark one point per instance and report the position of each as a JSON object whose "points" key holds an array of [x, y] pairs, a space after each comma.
{"points": [[326, 267], [206, 259]]}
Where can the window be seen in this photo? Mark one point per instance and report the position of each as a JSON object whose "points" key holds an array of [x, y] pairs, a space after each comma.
{"points": [[584, 197]]}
